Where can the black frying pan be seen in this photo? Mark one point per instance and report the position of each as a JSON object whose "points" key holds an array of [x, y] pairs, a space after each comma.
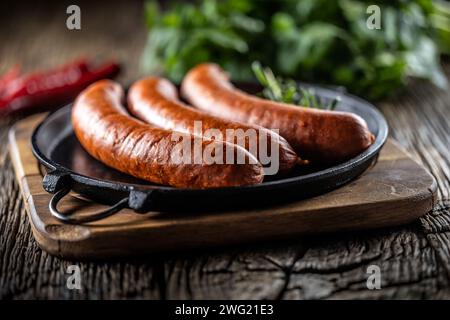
{"points": [[69, 167]]}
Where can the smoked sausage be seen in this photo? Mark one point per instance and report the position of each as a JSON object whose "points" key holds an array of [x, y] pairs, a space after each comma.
{"points": [[155, 100], [317, 135], [110, 135]]}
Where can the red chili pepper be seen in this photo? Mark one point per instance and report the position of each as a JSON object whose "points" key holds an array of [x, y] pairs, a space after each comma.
{"points": [[12, 74], [18, 86], [55, 87]]}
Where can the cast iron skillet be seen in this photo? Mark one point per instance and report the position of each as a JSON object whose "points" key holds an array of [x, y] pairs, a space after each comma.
{"points": [[69, 167]]}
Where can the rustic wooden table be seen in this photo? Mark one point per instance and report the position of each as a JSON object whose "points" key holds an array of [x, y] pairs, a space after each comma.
{"points": [[414, 259]]}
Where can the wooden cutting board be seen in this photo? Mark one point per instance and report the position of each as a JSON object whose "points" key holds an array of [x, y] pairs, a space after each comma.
{"points": [[396, 190]]}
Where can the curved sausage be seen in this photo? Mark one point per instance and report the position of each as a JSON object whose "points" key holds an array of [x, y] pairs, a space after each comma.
{"points": [[155, 100], [318, 135], [111, 136]]}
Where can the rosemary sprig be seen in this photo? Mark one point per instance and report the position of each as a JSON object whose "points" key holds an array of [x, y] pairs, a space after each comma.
{"points": [[289, 91]]}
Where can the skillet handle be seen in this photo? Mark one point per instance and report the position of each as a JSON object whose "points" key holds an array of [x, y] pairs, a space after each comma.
{"points": [[79, 220]]}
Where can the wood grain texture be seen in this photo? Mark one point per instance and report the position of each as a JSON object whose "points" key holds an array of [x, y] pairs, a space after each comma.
{"points": [[385, 195], [414, 259]]}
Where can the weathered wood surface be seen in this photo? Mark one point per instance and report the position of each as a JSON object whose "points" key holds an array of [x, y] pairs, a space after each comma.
{"points": [[414, 259]]}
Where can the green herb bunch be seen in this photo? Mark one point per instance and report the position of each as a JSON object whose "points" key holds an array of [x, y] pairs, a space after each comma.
{"points": [[318, 41], [288, 90]]}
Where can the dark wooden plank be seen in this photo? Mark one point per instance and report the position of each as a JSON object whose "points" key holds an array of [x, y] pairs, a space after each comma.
{"points": [[419, 119], [413, 258]]}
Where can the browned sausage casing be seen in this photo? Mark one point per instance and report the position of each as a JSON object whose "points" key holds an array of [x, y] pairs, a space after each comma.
{"points": [[110, 135], [317, 135], [155, 100]]}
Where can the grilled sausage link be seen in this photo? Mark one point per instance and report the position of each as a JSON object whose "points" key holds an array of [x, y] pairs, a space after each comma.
{"points": [[111, 136], [155, 100], [318, 135]]}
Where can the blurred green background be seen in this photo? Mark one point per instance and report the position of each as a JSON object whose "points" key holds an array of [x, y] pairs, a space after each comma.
{"points": [[319, 41]]}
